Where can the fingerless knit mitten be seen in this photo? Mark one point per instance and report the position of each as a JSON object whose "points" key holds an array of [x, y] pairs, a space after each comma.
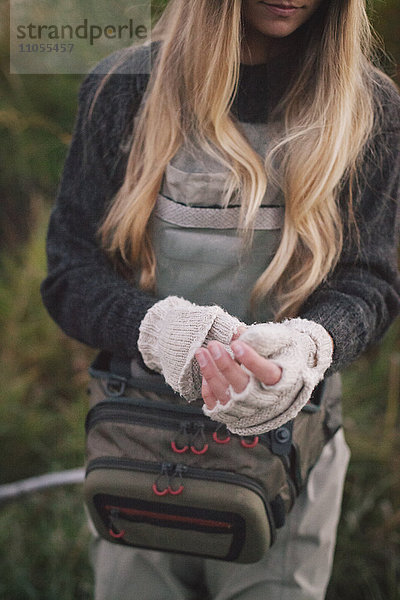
{"points": [[171, 332], [303, 349]]}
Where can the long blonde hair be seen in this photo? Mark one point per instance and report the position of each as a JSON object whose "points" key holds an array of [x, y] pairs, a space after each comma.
{"points": [[328, 119]]}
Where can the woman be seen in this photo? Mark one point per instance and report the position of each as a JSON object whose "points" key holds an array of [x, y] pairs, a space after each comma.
{"points": [[272, 110]]}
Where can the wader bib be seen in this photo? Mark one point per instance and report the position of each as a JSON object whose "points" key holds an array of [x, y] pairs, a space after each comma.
{"points": [[198, 250]]}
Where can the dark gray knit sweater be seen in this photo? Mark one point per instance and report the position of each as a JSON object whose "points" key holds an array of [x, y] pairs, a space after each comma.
{"points": [[92, 303]]}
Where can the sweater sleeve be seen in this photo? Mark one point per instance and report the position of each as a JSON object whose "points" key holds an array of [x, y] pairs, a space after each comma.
{"points": [[361, 298], [83, 292]]}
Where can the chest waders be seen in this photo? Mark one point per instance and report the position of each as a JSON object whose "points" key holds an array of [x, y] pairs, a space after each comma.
{"points": [[199, 253], [161, 475]]}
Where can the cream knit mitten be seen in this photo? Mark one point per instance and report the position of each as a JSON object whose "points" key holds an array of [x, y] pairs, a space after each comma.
{"points": [[171, 332], [303, 349]]}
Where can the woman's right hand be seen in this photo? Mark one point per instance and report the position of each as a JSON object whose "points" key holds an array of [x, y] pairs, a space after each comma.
{"points": [[170, 333]]}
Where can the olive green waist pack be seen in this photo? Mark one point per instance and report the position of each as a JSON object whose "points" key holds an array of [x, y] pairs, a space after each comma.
{"points": [[161, 475]]}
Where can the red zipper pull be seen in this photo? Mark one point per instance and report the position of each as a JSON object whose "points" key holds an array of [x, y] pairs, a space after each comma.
{"points": [[113, 532], [251, 444], [183, 434], [224, 440], [178, 471], [165, 468], [199, 433]]}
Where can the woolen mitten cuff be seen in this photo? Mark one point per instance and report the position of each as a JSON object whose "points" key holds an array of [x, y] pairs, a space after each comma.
{"points": [[171, 332], [303, 349]]}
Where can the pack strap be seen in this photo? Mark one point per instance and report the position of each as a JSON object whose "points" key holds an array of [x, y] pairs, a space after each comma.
{"points": [[117, 372]]}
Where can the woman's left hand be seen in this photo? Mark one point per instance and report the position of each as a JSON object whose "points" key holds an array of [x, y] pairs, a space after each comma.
{"points": [[220, 370]]}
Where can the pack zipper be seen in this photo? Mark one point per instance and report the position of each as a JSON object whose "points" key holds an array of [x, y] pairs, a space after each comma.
{"points": [[181, 470], [121, 410], [111, 462]]}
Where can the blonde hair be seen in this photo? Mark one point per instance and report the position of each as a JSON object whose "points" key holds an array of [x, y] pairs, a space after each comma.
{"points": [[328, 119]]}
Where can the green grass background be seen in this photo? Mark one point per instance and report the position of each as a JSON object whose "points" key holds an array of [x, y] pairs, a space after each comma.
{"points": [[44, 538]]}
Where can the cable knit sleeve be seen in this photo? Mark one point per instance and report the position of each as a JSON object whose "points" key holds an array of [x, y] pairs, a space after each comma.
{"points": [[360, 300], [82, 292]]}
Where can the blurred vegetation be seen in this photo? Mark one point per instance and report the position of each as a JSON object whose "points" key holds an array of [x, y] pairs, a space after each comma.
{"points": [[44, 539]]}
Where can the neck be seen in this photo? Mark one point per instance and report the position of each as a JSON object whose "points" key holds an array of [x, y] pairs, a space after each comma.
{"points": [[258, 48]]}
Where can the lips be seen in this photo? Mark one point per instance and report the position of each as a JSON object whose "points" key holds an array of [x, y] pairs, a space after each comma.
{"points": [[281, 5], [280, 9]]}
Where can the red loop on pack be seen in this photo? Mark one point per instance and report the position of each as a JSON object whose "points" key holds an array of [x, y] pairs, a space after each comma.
{"points": [[178, 450], [117, 535], [158, 492], [175, 492], [202, 451], [251, 444], [218, 440]]}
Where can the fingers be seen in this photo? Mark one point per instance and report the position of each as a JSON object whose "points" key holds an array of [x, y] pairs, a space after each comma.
{"points": [[263, 369], [220, 370], [217, 383], [229, 368], [208, 397]]}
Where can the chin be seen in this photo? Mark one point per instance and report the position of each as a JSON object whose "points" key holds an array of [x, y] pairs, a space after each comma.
{"points": [[277, 32]]}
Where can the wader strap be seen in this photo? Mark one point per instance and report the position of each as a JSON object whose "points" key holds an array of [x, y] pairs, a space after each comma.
{"points": [[268, 217]]}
